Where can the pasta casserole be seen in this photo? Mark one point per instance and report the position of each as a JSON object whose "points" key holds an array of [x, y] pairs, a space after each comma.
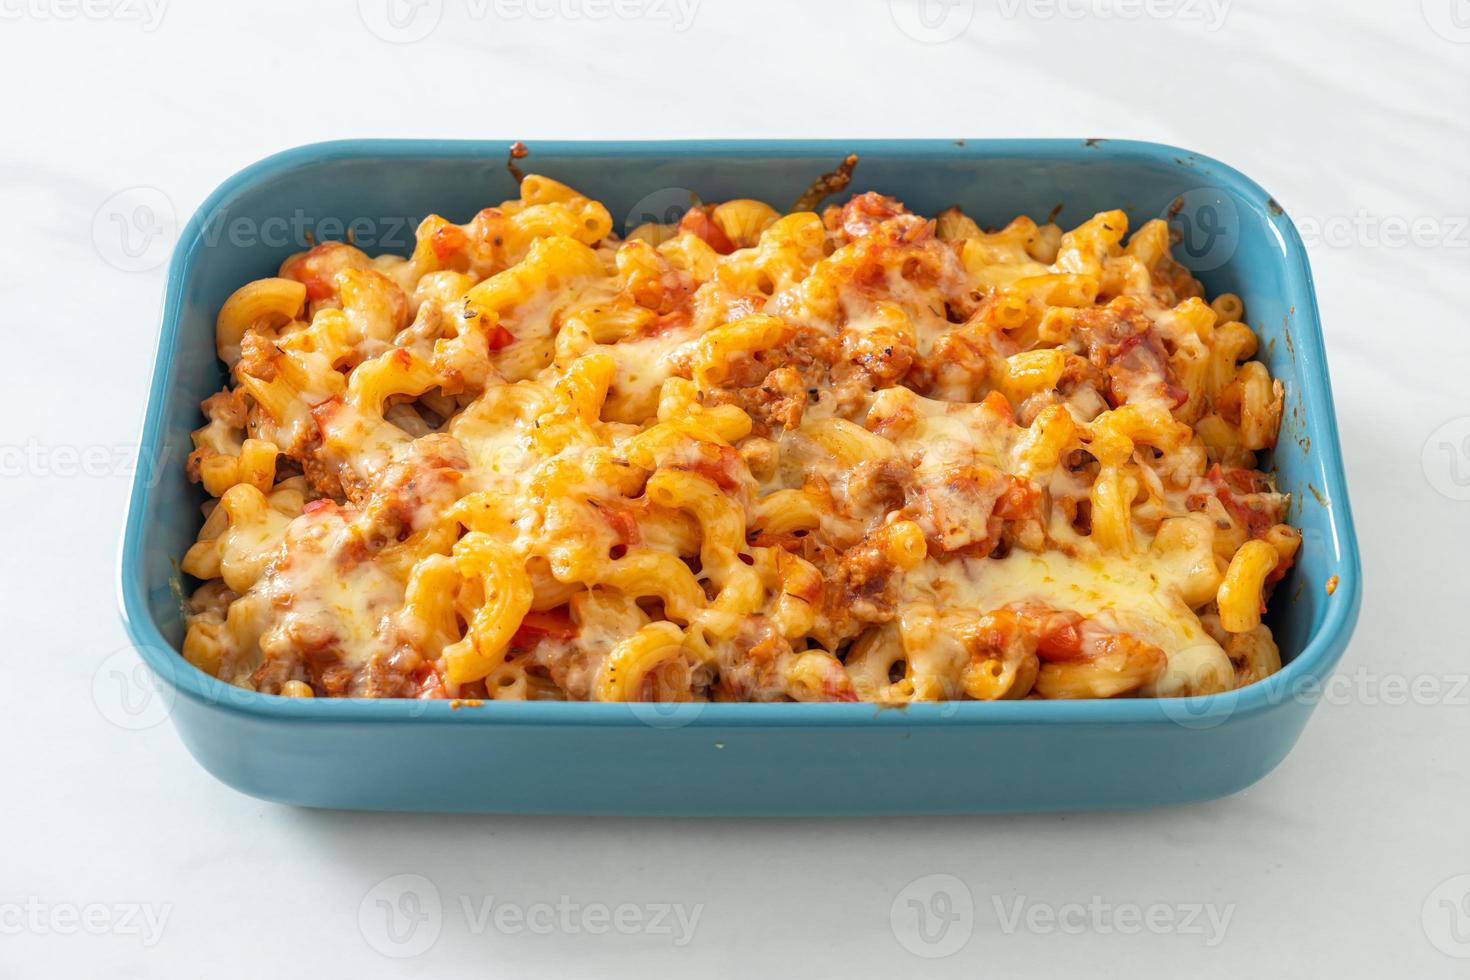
{"points": [[854, 454]]}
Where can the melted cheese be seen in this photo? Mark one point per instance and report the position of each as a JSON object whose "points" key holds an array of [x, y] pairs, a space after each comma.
{"points": [[900, 496], [644, 364], [329, 595], [1140, 596]]}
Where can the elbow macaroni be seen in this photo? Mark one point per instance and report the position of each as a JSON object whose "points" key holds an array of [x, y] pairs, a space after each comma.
{"points": [[854, 455]]}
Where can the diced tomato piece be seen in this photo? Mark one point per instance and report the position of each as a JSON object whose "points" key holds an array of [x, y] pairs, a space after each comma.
{"points": [[1256, 522], [864, 212], [447, 241], [500, 338], [317, 288], [1233, 483], [1019, 501], [426, 683], [623, 524], [555, 624], [720, 468], [1236, 478], [312, 272], [698, 223], [1060, 637], [871, 204]]}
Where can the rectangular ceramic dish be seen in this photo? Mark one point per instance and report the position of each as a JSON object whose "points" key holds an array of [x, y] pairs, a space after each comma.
{"points": [[547, 757]]}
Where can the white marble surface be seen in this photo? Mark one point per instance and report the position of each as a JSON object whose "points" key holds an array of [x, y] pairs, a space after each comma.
{"points": [[1343, 862]]}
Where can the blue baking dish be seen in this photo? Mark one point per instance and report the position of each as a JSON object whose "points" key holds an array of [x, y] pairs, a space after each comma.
{"points": [[549, 757]]}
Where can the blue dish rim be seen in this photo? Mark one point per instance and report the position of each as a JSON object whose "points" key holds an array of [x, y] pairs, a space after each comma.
{"points": [[1299, 676]]}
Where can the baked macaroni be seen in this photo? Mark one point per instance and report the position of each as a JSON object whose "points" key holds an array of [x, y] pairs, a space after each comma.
{"points": [[751, 456]]}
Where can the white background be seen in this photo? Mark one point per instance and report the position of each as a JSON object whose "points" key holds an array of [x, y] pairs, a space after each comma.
{"points": [[1343, 862]]}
